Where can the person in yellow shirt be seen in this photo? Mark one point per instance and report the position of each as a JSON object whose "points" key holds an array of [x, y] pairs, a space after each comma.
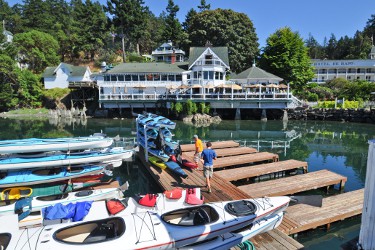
{"points": [[198, 149]]}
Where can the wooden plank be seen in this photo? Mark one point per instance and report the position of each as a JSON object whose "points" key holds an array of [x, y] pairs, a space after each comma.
{"points": [[261, 169], [215, 145], [245, 159], [275, 239], [223, 152], [334, 208], [294, 184]]}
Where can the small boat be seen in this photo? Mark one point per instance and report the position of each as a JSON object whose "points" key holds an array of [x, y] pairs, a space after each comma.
{"points": [[157, 162], [158, 153], [38, 176], [150, 229], [156, 121], [53, 159], [150, 133], [176, 169], [39, 202], [33, 145], [189, 164], [47, 189], [166, 132], [231, 239]]}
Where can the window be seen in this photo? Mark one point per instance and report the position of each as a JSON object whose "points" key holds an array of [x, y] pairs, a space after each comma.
{"points": [[208, 59], [127, 78], [368, 78], [142, 77], [349, 78], [164, 77], [171, 78], [178, 77], [120, 78], [135, 78], [205, 75], [113, 78]]}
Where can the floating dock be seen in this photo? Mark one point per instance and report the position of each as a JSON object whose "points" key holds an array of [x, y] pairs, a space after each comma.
{"points": [[250, 163]]}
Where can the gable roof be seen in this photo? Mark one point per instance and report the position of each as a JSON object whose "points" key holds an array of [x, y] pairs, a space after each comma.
{"points": [[159, 67], [74, 70], [255, 74], [196, 52]]}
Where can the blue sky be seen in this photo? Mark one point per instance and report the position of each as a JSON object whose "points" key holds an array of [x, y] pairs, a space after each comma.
{"points": [[319, 17]]}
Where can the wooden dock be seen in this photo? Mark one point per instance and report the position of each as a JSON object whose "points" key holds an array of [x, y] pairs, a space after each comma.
{"points": [[298, 218], [223, 152], [261, 169], [294, 184], [334, 208]]}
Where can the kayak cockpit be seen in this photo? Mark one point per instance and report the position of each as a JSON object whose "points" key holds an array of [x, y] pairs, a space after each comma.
{"points": [[92, 232], [191, 216]]}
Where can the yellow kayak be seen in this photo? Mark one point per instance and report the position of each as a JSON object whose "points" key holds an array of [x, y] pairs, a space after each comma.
{"points": [[15, 193], [157, 162]]}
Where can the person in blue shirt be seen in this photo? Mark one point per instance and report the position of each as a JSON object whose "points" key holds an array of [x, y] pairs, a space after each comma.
{"points": [[207, 157]]}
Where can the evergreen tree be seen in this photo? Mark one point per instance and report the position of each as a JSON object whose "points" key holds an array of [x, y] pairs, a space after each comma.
{"points": [[203, 6], [173, 29], [286, 56], [128, 17], [330, 49], [8, 79], [315, 49], [226, 28]]}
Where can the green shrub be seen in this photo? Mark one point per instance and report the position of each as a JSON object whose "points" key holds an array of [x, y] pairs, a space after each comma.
{"points": [[190, 107], [178, 108], [312, 97]]}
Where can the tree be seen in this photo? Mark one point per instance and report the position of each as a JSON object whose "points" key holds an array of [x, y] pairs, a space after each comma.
{"points": [[226, 28], [173, 29], [286, 56], [8, 79], [90, 24], [37, 50], [30, 89], [203, 6], [315, 49], [128, 19], [330, 49]]}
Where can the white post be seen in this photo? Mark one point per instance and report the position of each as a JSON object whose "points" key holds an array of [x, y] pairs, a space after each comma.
{"points": [[288, 91], [367, 232]]}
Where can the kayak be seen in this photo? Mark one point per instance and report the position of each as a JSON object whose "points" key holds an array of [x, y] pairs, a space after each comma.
{"points": [[38, 176], [176, 169], [157, 162], [189, 164], [32, 145]]}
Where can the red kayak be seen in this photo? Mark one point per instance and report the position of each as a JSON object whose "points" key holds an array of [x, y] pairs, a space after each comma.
{"points": [[189, 164], [88, 178]]}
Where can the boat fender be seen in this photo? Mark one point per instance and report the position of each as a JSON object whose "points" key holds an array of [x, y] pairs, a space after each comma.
{"points": [[114, 206], [191, 197], [175, 193], [149, 200]]}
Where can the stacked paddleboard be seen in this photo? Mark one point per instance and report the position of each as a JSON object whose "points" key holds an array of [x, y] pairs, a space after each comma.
{"points": [[155, 136]]}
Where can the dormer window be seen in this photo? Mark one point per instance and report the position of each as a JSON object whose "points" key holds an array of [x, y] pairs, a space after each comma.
{"points": [[208, 59]]}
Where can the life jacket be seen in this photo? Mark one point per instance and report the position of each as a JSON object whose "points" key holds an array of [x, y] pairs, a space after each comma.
{"points": [[149, 200], [114, 206], [191, 197], [175, 193]]}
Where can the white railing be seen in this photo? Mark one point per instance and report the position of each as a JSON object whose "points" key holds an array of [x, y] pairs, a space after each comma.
{"points": [[206, 96]]}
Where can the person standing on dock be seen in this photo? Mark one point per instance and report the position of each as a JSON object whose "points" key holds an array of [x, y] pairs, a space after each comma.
{"points": [[208, 155], [198, 148]]}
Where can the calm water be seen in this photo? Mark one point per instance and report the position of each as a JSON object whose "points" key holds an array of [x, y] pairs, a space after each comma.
{"points": [[339, 147]]}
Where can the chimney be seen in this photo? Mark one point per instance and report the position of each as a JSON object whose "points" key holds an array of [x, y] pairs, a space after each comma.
{"points": [[173, 57]]}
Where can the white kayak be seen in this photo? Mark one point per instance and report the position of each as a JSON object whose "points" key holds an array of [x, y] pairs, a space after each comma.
{"points": [[157, 229], [32, 145], [52, 159]]}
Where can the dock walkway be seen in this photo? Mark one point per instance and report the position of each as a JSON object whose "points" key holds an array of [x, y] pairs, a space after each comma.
{"points": [[261, 169], [294, 184], [223, 152], [215, 145]]}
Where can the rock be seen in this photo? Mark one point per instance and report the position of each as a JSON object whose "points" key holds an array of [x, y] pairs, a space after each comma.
{"points": [[201, 120]]}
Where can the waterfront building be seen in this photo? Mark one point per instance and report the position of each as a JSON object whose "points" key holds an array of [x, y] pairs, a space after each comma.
{"points": [[168, 53], [66, 75], [348, 69], [205, 70]]}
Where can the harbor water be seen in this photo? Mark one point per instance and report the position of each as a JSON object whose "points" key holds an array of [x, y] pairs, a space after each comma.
{"points": [[338, 147]]}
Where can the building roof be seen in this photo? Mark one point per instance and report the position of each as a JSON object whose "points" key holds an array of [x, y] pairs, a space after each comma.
{"points": [[159, 67], [255, 74], [74, 70], [196, 52]]}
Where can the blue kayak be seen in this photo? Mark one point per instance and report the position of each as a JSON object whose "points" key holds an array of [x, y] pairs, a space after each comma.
{"points": [[37, 176], [59, 159], [155, 121], [176, 169]]}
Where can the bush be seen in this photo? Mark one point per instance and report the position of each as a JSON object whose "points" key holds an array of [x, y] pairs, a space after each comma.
{"points": [[190, 107], [204, 108], [178, 108], [312, 97]]}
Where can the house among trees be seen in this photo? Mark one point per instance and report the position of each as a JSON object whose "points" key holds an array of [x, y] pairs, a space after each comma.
{"points": [[66, 75], [168, 53]]}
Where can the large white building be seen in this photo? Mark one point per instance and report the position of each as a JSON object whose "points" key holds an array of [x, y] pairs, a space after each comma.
{"points": [[348, 69]]}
